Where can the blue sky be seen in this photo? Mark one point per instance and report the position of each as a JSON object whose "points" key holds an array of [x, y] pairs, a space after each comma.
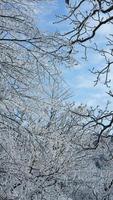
{"points": [[78, 78]]}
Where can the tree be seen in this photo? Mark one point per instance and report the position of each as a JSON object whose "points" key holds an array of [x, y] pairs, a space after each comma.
{"points": [[87, 19], [24, 65], [48, 146], [32, 112]]}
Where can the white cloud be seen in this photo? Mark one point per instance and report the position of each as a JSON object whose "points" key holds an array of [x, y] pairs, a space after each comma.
{"points": [[83, 82], [105, 30]]}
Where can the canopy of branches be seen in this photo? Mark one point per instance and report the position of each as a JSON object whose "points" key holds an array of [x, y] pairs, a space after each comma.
{"points": [[50, 148]]}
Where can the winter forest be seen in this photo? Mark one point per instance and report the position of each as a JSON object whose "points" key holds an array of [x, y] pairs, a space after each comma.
{"points": [[53, 145]]}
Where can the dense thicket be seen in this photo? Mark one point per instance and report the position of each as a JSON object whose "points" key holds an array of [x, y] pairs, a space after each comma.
{"points": [[49, 148]]}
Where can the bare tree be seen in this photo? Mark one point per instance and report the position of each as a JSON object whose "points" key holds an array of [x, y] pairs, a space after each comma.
{"points": [[32, 112], [25, 75], [48, 146], [86, 20]]}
